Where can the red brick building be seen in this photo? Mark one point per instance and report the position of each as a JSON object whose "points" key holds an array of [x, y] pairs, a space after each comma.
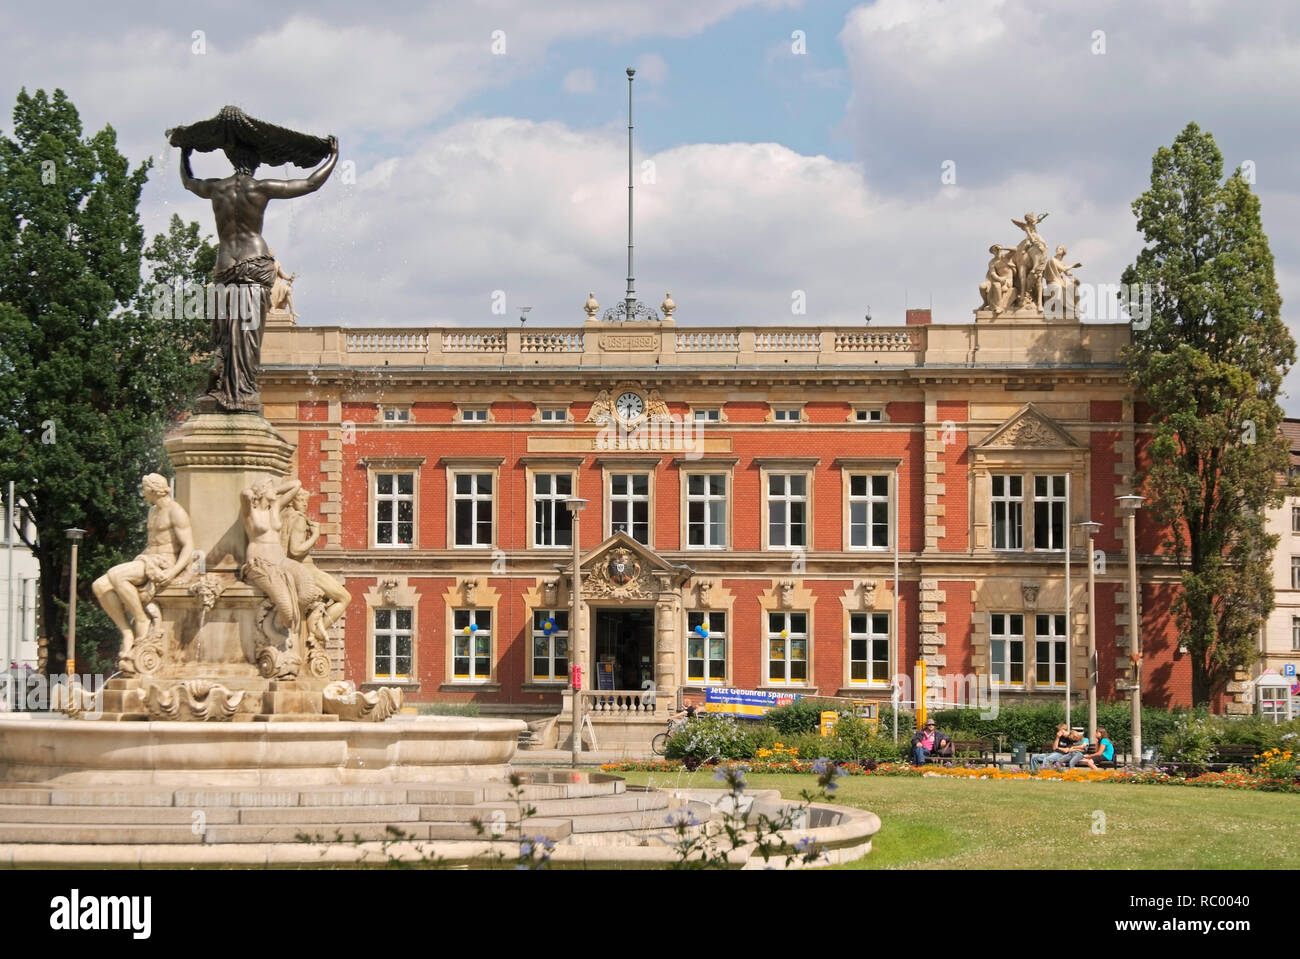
{"points": [[801, 508]]}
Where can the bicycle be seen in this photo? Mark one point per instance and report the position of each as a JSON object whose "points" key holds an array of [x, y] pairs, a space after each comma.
{"points": [[659, 745]]}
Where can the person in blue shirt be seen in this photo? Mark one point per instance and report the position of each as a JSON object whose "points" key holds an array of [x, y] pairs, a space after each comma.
{"points": [[1104, 750]]}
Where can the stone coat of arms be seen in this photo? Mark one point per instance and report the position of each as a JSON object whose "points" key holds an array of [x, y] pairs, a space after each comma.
{"points": [[623, 567]]}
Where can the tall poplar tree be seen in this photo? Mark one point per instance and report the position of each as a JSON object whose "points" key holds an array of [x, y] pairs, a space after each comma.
{"points": [[88, 381], [1210, 369]]}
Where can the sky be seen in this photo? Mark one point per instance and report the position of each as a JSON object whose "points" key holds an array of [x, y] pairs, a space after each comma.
{"points": [[857, 157]]}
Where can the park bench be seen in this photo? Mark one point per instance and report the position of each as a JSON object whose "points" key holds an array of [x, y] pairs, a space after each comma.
{"points": [[985, 753], [1223, 757]]}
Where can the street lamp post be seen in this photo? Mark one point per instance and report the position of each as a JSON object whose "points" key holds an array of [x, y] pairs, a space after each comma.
{"points": [[1130, 504], [74, 536], [575, 505], [1092, 528]]}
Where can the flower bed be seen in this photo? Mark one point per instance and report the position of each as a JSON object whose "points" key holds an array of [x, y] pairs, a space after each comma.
{"points": [[1232, 779]]}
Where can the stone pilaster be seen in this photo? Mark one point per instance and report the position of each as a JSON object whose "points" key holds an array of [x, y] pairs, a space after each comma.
{"points": [[935, 467], [668, 640], [933, 618]]}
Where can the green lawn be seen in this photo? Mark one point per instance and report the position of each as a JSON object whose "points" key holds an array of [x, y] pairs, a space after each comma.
{"points": [[935, 823]]}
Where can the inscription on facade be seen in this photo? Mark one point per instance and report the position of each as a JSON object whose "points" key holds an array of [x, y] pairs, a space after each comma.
{"points": [[629, 342]]}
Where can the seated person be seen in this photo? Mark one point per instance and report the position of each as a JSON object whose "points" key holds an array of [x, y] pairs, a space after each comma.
{"points": [[1104, 750], [929, 742], [1059, 753], [1079, 746]]}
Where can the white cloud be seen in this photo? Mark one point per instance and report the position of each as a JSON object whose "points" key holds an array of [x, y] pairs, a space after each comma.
{"points": [[652, 69], [581, 80], [536, 209]]}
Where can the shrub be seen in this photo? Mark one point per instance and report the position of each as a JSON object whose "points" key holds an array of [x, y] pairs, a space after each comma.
{"points": [[801, 716], [1192, 740], [710, 735]]}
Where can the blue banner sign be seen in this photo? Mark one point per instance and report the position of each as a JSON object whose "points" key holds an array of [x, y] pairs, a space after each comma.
{"points": [[745, 703]]}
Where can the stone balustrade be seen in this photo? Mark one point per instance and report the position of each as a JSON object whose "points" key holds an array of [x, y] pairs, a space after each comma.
{"points": [[614, 702], [615, 344]]}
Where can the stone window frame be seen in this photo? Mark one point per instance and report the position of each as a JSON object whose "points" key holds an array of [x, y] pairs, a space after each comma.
{"points": [[394, 632], [1052, 639], [870, 685], [867, 466], [547, 465], [1295, 572], [705, 466], [483, 597], [392, 593], [784, 465], [868, 408], [1009, 637], [767, 680], [454, 466], [610, 465], [727, 656], [562, 408], [1295, 520], [453, 632], [720, 409], [385, 409], [800, 417], [374, 465], [485, 408], [532, 677], [1028, 463]]}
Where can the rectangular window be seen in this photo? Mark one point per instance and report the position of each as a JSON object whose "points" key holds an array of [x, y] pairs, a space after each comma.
{"points": [[869, 647], [1008, 512], [550, 645], [1049, 512], [1049, 649], [787, 510], [1295, 572], [552, 522], [786, 414], [629, 505], [787, 647], [473, 509], [706, 647], [1295, 519], [393, 644], [869, 511], [869, 416], [471, 645], [706, 510], [711, 415], [394, 414], [1295, 634], [470, 414], [1007, 649], [557, 415], [394, 509]]}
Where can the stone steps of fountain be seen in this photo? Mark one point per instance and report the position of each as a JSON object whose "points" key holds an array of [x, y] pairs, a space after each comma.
{"points": [[460, 794], [562, 811]]}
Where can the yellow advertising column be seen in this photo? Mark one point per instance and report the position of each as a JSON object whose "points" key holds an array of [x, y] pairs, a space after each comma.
{"points": [[920, 693]]}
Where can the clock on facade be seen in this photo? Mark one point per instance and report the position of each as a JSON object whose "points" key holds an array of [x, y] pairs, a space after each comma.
{"points": [[629, 406]]}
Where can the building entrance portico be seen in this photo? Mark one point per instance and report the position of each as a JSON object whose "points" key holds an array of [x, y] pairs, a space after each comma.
{"points": [[623, 653], [631, 631]]}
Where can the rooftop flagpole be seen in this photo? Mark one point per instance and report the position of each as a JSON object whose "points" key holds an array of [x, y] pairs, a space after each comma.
{"points": [[630, 300]]}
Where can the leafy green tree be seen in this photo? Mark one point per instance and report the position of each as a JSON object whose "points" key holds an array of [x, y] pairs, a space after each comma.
{"points": [[88, 381], [1210, 368]]}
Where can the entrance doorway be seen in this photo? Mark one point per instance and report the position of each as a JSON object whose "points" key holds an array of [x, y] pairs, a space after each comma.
{"points": [[624, 648]]}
